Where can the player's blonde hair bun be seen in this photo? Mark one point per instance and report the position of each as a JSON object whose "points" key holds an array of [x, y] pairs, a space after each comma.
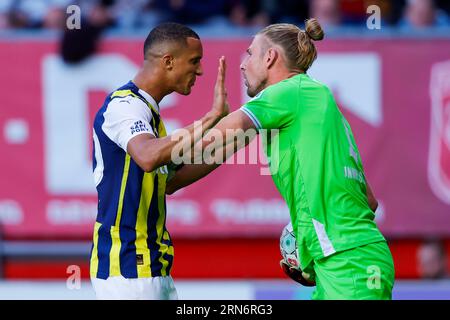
{"points": [[314, 30], [296, 43]]}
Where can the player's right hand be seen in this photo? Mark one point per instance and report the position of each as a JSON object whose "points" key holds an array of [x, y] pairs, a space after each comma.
{"points": [[297, 275], [220, 104]]}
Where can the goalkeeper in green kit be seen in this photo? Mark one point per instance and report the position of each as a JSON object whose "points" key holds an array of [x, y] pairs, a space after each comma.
{"points": [[315, 164]]}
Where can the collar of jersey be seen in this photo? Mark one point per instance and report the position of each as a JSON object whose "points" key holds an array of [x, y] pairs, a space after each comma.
{"points": [[146, 96]]}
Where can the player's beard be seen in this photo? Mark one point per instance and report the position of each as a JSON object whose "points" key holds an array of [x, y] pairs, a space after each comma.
{"points": [[254, 90], [186, 89]]}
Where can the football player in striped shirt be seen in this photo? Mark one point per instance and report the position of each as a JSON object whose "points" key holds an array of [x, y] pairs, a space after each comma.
{"points": [[132, 252]]}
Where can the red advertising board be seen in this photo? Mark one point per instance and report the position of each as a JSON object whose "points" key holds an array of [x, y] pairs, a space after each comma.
{"points": [[395, 94]]}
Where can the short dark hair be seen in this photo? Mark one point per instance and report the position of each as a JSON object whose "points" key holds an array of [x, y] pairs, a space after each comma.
{"points": [[168, 31]]}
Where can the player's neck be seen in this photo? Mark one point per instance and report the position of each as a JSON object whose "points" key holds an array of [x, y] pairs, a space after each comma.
{"points": [[145, 80], [279, 74]]}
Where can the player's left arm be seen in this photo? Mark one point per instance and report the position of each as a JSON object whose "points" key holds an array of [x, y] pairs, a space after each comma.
{"points": [[216, 139]]}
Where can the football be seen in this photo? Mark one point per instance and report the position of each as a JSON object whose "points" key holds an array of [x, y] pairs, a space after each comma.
{"points": [[288, 246]]}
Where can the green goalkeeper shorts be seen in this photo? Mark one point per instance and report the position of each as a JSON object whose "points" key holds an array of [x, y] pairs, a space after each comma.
{"points": [[361, 273]]}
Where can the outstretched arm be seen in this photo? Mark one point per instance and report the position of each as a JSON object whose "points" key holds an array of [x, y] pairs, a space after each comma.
{"points": [[151, 153], [231, 133]]}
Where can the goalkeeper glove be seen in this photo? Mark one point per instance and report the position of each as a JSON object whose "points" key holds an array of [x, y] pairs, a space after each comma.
{"points": [[297, 275]]}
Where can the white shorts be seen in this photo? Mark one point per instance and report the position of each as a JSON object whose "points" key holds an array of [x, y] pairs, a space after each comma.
{"points": [[120, 288]]}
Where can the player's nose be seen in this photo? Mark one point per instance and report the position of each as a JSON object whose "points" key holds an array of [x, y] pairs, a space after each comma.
{"points": [[199, 70]]}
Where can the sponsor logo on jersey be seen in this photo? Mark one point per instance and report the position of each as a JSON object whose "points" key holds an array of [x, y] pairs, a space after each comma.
{"points": [[138, 126]]}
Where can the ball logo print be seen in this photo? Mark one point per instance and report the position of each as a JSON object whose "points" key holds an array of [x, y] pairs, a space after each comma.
{"points": [[439, 152], [288, 246]]}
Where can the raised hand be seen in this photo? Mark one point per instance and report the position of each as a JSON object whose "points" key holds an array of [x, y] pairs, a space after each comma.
{"points": [[220, 104]]}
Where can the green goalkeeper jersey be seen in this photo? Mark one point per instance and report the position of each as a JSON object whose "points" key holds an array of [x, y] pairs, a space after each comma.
{"points": [[316, 166]]}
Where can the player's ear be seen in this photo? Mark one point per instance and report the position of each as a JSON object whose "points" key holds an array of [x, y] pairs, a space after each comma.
{"points": [[167, 60], [272, 56]]}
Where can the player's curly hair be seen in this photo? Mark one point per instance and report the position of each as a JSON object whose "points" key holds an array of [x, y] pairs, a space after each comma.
{"points": [[297, 44], [168, 31]]}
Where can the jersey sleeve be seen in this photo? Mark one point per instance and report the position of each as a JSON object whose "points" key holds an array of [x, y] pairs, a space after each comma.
{"points": [[270, 109], [126, 118]]}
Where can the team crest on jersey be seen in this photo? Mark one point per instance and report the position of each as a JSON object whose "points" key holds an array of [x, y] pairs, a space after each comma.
{"points": [[138, 126], [439, 154]]}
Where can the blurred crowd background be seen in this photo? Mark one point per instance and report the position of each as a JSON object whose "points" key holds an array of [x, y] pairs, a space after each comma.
{"points": [[130, 14]]}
